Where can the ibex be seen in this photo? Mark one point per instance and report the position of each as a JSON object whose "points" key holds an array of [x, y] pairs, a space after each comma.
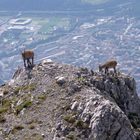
{"points": [[107, 65], [27, 55]]}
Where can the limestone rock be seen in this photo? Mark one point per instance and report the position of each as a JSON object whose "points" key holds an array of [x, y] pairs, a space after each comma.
{"points": [[99, 118], [60, 80], [47, 61], [65, 102]]}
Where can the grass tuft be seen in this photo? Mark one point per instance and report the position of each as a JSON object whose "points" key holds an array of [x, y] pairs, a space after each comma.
{"points": [[69, 118], [24, 104]]}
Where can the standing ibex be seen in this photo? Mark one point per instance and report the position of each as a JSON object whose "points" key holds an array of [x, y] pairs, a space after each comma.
{"points": [[107, 65], [27, 55]]}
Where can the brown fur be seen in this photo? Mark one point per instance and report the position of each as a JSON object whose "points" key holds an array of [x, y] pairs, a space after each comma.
{"points": [[107, 65], [27, 55]]}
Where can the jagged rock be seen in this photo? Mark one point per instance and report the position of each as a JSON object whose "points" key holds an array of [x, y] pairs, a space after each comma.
{"points": [[102, 118], [47, 61], [60, 80], [73, 87], [1, 93], [43, 135], [74, 105], [78, 74], [64, 102], [58, 126]]}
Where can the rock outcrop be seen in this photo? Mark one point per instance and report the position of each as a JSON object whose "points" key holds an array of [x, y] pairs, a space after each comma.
{"points": [[61, 102]]}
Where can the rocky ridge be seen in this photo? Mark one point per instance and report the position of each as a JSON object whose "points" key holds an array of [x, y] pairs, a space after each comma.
{"points": [[61, 102]]}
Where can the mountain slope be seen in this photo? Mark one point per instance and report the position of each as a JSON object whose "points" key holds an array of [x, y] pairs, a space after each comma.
{"points": [[55, 101]]}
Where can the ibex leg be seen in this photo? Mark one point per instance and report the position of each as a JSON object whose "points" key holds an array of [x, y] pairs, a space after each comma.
{"points": [[32, 61], [28, 62], [24, 63], [106, 70], [114, 69]]}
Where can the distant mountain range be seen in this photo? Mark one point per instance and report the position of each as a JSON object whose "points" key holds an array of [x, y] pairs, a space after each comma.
{"points": [[67, 5], [40, 4], [19, 5]]}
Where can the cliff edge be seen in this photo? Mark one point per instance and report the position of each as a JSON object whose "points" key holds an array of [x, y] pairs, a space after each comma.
{"points": [[56, 101]]}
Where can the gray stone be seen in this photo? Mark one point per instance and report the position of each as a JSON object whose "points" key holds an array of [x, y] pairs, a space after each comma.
{"points": [[60, 80], [105, 107]]}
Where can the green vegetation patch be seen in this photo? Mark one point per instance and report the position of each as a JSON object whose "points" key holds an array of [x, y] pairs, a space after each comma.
{"points": [[24, 104], [34, 136], [81, 125], [72, 136], [42, 97], [2, 119], [5, 92], [81, 79], [31, 126], [54, 23], [6, 104], [30, 87], [69, 118], [3, 110], [33, 123], [17, 128]]}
